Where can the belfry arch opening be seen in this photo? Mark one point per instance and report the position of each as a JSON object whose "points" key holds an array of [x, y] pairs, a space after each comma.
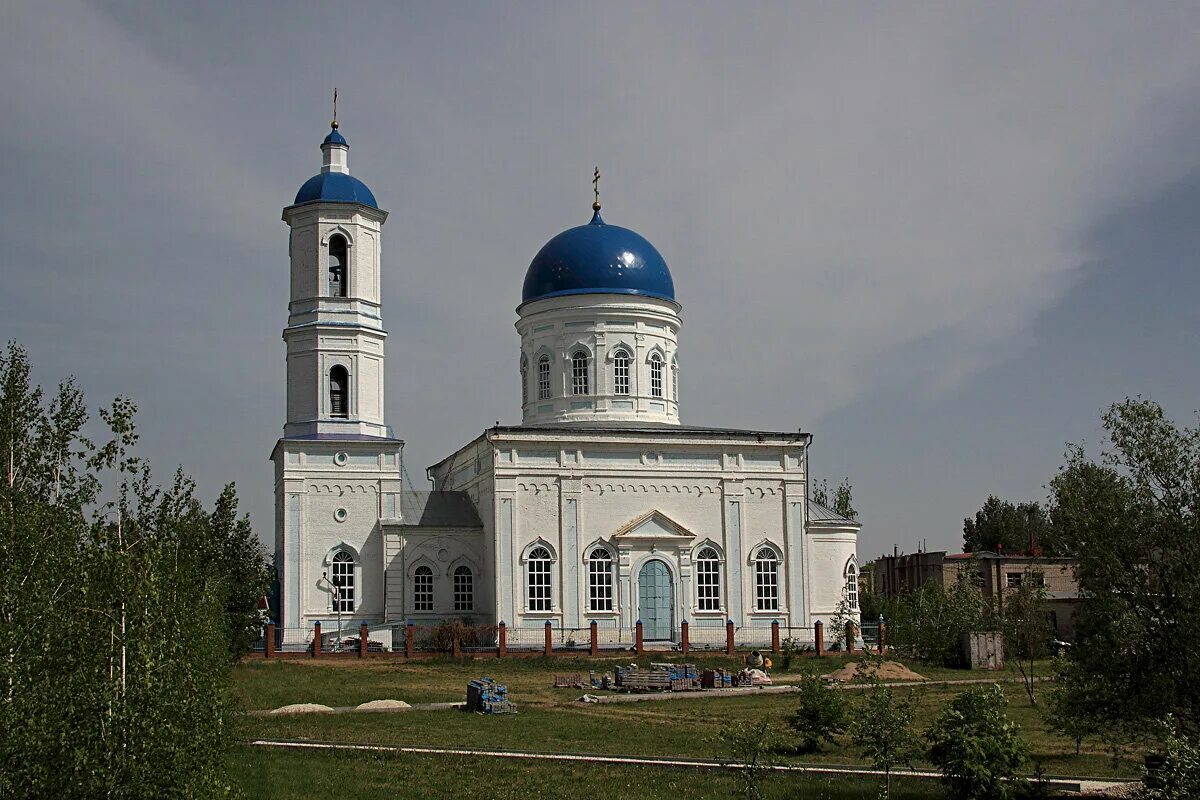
{"points": [[338, 266], [339, 393]]}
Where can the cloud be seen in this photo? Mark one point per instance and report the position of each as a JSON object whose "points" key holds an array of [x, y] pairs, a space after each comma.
{"points": [[845, 195]]}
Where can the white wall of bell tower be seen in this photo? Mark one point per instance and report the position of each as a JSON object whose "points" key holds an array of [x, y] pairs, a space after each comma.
{"points": [[335, 337]]}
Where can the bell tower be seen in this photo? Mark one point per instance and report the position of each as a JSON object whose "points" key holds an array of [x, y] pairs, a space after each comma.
{"points": [[335, 336], [337, 467]]}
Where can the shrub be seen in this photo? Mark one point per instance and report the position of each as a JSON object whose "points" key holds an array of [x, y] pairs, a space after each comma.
{"points": [[820, 715], [1176, 775], [882, 730], [977, 748], [746, 745]]}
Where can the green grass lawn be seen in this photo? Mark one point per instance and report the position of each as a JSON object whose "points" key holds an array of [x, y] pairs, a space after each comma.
{"points": [[270, 773], [551, 720]]}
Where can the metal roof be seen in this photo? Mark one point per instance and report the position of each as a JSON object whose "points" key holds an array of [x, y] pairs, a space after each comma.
{"points": [[438, 510]]}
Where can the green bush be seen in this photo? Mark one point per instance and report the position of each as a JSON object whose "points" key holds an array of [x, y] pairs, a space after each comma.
{"points": [[977, 748], [820, 715], [1176, 775], [882, 730]]}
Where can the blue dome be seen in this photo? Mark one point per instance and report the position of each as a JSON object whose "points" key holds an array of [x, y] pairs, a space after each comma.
{"points": [[335, 187], [335, 138], [597, 259]]}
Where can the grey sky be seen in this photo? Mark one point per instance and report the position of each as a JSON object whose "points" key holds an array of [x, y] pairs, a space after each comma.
{"points": [[940, 237]]}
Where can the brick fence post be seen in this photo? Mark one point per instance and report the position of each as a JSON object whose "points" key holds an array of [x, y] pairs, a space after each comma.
{"points": [[684, 644], [549, 651], [819, 638], [594, 641], [316, 640], [501, 640], [362, 640], [882, 636], [409, 635], [775, 636], [637, 638], [455, 646], [269, 649], [849, 637], [729, 637]]}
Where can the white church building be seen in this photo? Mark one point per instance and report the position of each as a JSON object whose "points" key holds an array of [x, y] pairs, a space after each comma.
{"points": [[601, 505]]}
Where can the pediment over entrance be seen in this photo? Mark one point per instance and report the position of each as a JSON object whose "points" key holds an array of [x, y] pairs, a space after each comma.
{"points": [[653, 526]]}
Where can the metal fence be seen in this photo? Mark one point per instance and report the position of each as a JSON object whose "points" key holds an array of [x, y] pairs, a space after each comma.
{"points": [[446, 637]]}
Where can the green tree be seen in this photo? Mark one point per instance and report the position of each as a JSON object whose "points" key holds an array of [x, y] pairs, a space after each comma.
{"points": [[1001, 527], [927, 622], [1025, 621], [977, 748], [1131, 522], [746, 746], [1061, 715], [1177, 776], [820, 713], [840, 500], [882, 730], [115, 647]]}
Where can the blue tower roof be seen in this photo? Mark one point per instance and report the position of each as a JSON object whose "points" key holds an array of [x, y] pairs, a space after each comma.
{"points": [[597, 259], [335, 187]]}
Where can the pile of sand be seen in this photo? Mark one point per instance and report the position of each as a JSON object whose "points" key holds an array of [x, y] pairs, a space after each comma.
{"points": [[383, 705], [888, 671], [303, 708]]}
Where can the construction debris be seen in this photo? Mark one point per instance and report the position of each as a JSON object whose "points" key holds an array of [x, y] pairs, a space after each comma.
{"points": [[485, 696]]}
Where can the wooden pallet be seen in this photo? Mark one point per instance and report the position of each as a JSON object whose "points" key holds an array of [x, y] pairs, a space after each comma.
{"points": [[571, 681]]}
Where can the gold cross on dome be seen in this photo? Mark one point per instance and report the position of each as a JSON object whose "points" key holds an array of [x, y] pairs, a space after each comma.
{"points": [[596, 189], [335, 124]]}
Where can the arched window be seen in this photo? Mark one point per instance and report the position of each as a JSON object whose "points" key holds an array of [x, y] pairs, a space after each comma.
{"points": [[544, 378], [579, 372], [538, 584], [766, 580], [339, 393], [524, 381], [423, 589], [708, 580], [600, 580], [337, 266], [342, 578], [675, 379], [656, 376], [621, 372], [464, 589], [852, 585]]}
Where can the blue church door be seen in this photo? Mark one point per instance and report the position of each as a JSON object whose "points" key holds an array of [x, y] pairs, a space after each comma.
{"points": [[655, 601]]}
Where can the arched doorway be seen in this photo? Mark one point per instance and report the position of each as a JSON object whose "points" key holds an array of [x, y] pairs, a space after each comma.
{"points": [[655, 601]]}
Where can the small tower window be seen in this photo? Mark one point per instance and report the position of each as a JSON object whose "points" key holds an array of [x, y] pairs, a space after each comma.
{"points": [[464, 589], [423, 589], [538, 580], [675, 379], [579, 373], [656, 376], [343, 582], [544, 378], [339, 393], [621, 372], [337, 266]]}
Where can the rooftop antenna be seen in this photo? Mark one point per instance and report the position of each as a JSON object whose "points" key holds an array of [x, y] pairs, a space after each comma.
{"points": [[596, 190], [334, 124]]}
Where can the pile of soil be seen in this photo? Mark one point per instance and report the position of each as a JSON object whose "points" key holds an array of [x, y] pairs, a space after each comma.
{"points": [[382, 705], [888, 671]]}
